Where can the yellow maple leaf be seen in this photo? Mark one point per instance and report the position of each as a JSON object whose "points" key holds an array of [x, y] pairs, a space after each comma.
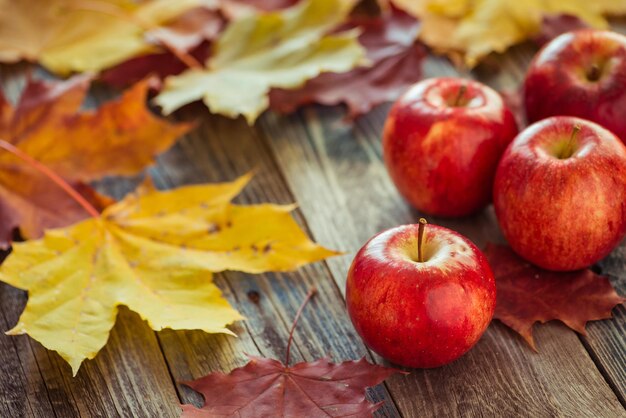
{"points": [[81, 35], [260, 51], [475, 28], [153, 252]]}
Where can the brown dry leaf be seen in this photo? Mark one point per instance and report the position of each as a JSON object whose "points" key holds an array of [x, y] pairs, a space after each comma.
{"points": [[395, 57], [527, 294], [471, 29], [153, 252], [119, 138], [81, 35]]}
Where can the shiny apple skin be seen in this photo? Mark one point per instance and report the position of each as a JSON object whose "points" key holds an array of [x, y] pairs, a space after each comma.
{"points": [[442, 158], [562, 214], [420, 314], [556, 81]]}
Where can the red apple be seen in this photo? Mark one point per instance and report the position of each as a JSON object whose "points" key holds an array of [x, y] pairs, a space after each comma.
{"points": [[581, 73], [442, 142], [560, 193], [420, 311]]}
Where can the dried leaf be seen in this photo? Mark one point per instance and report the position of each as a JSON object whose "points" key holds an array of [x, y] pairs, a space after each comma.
{"points": [[554, 25], [234, 9], [261, 51], [268, 388], [188, 35], [81, 35], [316, 389], [527, 294], [154, 253], [189, 29], [120, 138], [395, 57], [471, 29], [159, 65]]}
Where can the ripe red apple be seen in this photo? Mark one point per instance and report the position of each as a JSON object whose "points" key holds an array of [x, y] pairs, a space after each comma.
{"points": [[560, 193], [581, 73], [420, 311], [442, 142]]}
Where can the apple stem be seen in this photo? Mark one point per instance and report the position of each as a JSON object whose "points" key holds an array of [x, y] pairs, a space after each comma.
{"points": [[420, 237], [460, 94], [308, 297], [568, 150], [594, 73], [93, 212]]}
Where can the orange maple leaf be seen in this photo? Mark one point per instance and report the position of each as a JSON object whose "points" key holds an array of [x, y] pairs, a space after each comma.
{"points": [[119, 138]]}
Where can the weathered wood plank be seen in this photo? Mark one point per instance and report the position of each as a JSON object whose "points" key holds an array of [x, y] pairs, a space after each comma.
{"points": [[606, 340], [338, 178], [219, 150], [23, 391]]}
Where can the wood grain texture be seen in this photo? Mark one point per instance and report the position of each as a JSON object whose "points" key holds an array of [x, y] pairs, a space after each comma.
{"points": [[337, 175], [606, 340]]}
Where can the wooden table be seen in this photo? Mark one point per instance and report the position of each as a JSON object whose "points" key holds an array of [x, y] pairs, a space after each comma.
{"points": [[334, 171]]}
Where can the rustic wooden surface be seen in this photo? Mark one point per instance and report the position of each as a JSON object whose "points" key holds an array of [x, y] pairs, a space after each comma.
{"points": [[334, 171]]}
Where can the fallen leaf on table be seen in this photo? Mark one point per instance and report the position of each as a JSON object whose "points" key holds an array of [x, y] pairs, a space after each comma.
{"points": [[471, 29], [396, 58], [527, 294], [554, 25], [260, 51], [120, 138], [153, 252], [188, 35], [234, 9], [81, 35], [269, 388]]}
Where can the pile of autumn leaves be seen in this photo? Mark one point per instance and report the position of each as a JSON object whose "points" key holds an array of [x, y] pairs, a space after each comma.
{"points": [[154, 251]]}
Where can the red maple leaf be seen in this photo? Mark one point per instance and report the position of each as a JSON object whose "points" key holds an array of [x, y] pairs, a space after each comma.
{"points": [[396, 61], [527, 294], [268, 388], [554, 25]]}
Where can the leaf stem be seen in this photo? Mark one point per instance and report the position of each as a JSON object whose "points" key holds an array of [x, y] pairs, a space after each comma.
{"points": [[93, 212], [186, 58], [420, 238], [308, 297]]}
